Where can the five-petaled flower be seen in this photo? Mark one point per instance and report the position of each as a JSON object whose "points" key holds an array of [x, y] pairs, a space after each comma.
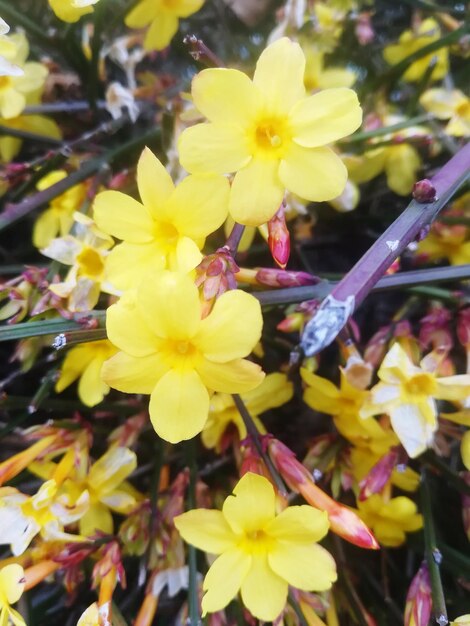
{"points": [[269, 133], [261, 553], [168, 351], [166, 230], [407, 394]]}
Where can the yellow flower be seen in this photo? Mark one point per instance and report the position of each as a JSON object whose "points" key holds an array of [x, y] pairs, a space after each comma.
{"points": [[166, 230], [85, 362], [446, 242], [465, 449], [261, 553], [17, 91], [98, 489], [317, 77], [37, 124], [163, 17], [58, 218], [71, 10], [412, 41], [390, 520], [407, 394], [12, 582], [90, 617], [451, 105], [85, 253], [45, 513], [7, 68], [170, 353], [463, 620], [269, 133], [274, 391]]}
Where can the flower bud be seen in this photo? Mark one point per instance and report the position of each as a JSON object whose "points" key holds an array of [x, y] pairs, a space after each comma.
{"points": [[379, 475], [424, 191], [419, 600], [279, 238]]}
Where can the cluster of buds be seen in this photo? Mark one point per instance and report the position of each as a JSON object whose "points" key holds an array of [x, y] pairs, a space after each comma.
{"points": [[24, 294], [216, 274], [344, 522], [298, 317]]}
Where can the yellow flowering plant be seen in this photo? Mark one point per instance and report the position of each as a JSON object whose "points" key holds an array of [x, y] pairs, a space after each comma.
{"points": [[269, 133], [232, 317], [263, 551]]}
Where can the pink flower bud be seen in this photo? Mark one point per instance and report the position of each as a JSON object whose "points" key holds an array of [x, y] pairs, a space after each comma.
{"points": [[364, 31], [424, 191], [279, 238], [435, 329], [419, 600], [272, 277], [379, 475], [463, 327]]}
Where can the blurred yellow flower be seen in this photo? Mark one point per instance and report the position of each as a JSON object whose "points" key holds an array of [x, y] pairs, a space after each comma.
{"points": [[274, 391], [12, 582], [162, 17], [16, 91], [465, 449], [169, 352], [7, 68], [90, 617], [391, 519], [410, 42], [449, 242], [71, 10], [407, 394], [319, 77], [85, 253], [452, 105], [58, 217], [84, 362], [261, 553], [166, 230], [269, 133], [36, 124]]}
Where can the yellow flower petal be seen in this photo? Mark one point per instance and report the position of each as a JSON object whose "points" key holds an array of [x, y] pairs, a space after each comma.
{"points": [[279, 75], [316, 174], [299, 524], [224, 579], [264, 593], [127, 330], [133, 374], [169, 303], [179, 406], [306, 566], [199, 205], [161, 31], [91, 388], [325, 117], [206, 529], [12, 103], [336, 77], [123, 217], [185, 8], [141, 15], [442, 102], [237, 376], [111, 469], [401, 167], [257, 192], [45, 228], [97, 518], [154, 182], [274, 391], [12, 582], [219, 148], [252, 504], [126, 263], [74, 364], [233, 327], [188, 256], [453, 387], [225, 96]]}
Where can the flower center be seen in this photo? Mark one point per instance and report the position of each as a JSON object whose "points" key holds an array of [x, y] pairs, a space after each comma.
{"points": [[179, 353], [5, 82], [166, 234], [90, 263], [271, 136], [256, 542], [422, 384]]}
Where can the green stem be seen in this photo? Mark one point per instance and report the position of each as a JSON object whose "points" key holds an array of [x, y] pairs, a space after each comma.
{"points": [[193, 595], [255, 437], [45, 327], [154, 490], [431, 460], [385, 130], [6, 131], [433, 554]]}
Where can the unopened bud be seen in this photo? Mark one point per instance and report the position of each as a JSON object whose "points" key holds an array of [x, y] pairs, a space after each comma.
{"points": [[279, 238], [424, 191], [418, 606], [272, 277], [379, 475]]}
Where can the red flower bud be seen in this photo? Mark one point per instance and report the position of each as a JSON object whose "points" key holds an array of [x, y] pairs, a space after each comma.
{"points": [[424, 191], [279, 238], [419, 600]]}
